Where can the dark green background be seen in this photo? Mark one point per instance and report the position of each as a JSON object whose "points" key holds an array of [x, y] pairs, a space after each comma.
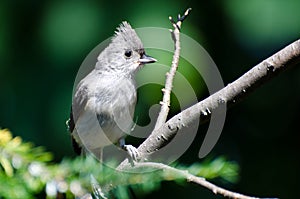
{"points": [[42, 44]]}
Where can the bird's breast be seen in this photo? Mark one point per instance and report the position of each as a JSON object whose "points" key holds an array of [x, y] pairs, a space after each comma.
{"points": [[109, 111]]}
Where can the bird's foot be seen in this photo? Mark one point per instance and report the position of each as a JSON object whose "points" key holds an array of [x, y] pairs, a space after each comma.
{"points": [[132, 152]]}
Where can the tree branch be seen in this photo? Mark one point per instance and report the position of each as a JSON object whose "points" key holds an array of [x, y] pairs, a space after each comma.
{"points": [[231, 94], [189, 178], [165, 104]]}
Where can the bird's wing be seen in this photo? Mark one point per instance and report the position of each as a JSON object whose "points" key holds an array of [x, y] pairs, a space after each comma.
{"points": [[87, 125], [78, 104]]}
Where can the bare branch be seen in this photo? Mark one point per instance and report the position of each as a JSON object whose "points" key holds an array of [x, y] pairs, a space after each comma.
{"points": [[165, 104], [190, 178], [231, 94]]}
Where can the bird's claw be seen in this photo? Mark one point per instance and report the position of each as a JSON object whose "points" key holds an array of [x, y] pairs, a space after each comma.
{"points": [[132, 152]]}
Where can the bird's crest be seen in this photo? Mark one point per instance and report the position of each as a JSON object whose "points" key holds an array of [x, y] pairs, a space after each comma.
{"points": [[127, 36]]}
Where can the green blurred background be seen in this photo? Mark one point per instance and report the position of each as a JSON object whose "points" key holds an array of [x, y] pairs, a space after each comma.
{"points": [[43, 43]]}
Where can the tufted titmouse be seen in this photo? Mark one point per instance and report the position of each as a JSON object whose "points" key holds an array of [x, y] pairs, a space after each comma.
{"points": [[104, 100]]}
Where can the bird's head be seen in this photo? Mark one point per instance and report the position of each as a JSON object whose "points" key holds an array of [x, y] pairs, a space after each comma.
{"points": [[125, 54]]}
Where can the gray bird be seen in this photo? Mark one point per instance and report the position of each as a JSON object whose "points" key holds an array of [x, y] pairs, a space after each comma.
{"points": [[104, 100]]}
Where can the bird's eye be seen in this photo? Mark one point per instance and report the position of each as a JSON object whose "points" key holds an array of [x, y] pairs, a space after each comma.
{"points": [[128, 53]]}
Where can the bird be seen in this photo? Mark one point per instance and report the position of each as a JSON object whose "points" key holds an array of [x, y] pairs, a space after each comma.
{"points": [[104, 100]]}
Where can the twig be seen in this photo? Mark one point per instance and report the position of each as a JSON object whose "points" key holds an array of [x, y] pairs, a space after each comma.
{"points": [[190, 178], [165, 103]]}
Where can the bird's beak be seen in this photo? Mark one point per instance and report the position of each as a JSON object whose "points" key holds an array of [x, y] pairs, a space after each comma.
{"points": [[145, 59]]}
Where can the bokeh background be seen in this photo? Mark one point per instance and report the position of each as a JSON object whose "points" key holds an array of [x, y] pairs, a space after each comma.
{"points": [[43, 43]]}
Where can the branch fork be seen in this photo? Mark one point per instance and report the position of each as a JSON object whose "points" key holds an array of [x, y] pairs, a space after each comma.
{"points": [[232, 93]]}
